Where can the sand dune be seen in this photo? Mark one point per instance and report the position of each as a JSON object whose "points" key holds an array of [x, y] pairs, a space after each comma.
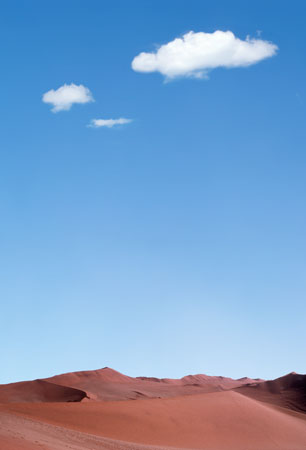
{"points": [[108, 384], [194, 412], [39, 391], [288, 391], [219, 420]]}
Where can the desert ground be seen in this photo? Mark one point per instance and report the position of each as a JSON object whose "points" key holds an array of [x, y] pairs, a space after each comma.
{"points": [[105, 409]]}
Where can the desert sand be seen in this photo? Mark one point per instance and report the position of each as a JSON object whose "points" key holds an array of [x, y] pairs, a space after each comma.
{"points": [[104, 409]]}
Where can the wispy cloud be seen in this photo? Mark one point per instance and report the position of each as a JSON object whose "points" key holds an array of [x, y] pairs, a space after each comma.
{"points": [[109, 123], [65, 96], [195, 54]]}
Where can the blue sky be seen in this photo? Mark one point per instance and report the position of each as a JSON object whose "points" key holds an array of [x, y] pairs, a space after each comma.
{"points": [[170, 245]]}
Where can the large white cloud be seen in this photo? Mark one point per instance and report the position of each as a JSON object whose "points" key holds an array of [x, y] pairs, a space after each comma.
{"points": [[109, 123], [194, 54], [65, 96]]}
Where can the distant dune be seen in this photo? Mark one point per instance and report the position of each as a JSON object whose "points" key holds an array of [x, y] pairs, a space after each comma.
{"points": [[288, 391], [108, 384], [93, 410]]}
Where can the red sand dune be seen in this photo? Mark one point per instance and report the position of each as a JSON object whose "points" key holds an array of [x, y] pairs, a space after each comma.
{"points": [[288, 391], [108, 384], [39, 391], [221, 417], [219, 420]]}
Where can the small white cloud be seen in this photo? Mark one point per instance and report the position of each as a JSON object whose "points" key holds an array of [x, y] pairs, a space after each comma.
{"points": [[109, 123], [194, 54], [65, 96]]}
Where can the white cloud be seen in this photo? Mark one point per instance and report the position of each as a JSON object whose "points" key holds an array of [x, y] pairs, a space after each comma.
{"points": [[65, 96], [109, 123], [194, 54]]}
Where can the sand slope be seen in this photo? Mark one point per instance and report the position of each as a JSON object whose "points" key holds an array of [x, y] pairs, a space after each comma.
{"points": [[20, 433]]}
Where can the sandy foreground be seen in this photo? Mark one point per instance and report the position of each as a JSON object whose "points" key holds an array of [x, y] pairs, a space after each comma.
{"points": [[20, 433]]}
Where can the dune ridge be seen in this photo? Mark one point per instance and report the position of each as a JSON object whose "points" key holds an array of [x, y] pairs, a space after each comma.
{"points": [[107, 384]]}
